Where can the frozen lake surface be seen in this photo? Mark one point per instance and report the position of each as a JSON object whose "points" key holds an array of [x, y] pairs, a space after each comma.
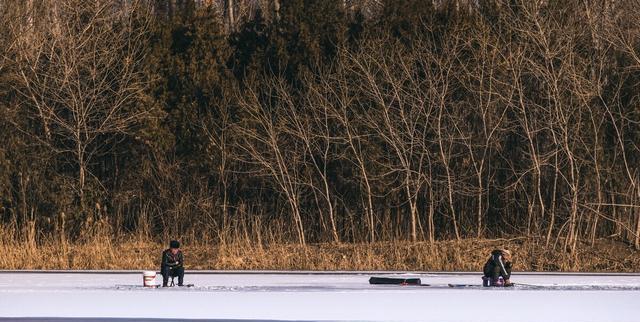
{"points": [[309, 296]]}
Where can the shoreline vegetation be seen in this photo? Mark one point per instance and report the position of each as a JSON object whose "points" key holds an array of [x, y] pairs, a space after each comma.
{"points": [[530, 254], [326, 134]]}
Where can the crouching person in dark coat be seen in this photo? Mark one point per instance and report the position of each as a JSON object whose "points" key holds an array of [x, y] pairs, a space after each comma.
{"points": [[172, 264], [497, 270]]}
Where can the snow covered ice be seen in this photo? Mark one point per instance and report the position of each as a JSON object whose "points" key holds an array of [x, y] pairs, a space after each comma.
{"points": [[308, 296]]}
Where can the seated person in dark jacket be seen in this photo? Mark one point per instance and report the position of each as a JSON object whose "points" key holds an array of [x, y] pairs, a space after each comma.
{"points": [[498, 265], [172, 263]]}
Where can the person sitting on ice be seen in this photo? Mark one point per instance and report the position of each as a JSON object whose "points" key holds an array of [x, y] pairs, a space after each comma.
{"points": [[172, 264], [497, 270]]}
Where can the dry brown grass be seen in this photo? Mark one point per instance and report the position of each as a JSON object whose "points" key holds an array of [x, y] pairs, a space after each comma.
{"points": [[100, 251], [465, 255], [244, 249]]}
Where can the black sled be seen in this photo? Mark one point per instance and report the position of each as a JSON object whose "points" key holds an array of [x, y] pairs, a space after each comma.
{"points": [[394, 281]]}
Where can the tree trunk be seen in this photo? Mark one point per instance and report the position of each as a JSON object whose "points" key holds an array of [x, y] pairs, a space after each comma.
{"points": [[637, 210], [81, 175], [552, 219], [536, 165], [637, 239], [594, 223], [573, 217], [298, 217], [430, 218], [445, 162], [25, 210], [413, 210], [230, 15], [480, 209], [332, 220], [369, 211], [276, 9], [370, 214]]}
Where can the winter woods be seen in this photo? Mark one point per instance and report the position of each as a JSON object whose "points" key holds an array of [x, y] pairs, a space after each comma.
{"points": [[321, 121]]}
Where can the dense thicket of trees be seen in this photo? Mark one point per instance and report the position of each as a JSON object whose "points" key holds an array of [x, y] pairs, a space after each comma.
{"points": [[313, 121]]}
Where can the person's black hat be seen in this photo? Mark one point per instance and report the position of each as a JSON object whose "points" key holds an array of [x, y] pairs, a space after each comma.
{"points": [[174, 244]]}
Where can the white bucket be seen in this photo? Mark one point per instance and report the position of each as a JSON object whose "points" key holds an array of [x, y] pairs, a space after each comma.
{"points": [[149, 278]]}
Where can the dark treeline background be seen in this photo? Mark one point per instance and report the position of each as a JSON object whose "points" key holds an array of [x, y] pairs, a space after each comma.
{"points": [[321, 121]]}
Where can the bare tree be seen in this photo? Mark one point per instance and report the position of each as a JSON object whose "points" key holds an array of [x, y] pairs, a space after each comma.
{"points": [[484, 81], [343, 108], [264, 143], [308, 121], [400, 115], [441, 83], [625, 36], [322, 146], [218, 127], [80, 68]]}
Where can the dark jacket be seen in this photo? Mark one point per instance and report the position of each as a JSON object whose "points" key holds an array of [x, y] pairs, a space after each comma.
{"points": [[170, 261], [496, 266]]}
